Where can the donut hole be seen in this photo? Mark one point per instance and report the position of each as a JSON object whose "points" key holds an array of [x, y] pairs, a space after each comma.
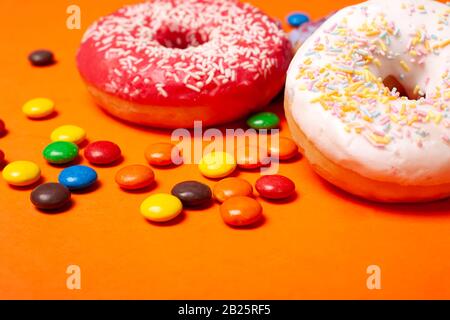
{"points": [[392, 82], [176, 38]]}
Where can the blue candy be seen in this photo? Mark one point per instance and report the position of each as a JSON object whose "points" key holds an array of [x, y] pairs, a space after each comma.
{"points": [[297, 19], [77, 177]]}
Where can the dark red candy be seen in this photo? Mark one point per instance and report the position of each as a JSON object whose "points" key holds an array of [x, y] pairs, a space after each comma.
{"points": [[2, 157], [102, 152], [41, 58], [275, 187], [192, 193], [2, 128]]}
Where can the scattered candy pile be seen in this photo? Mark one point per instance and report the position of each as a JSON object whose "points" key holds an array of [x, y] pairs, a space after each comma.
{"points": [[238, 207]]}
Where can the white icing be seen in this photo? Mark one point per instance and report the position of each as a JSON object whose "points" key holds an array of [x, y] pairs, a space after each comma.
{"points": [[409, 158]]}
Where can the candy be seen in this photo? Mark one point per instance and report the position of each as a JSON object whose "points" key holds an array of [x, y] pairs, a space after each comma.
{"points": [[241, 211], [60, 152], [231, 187], [21, 173], [102, 152], [41, 58], [135, 177], [2, 128], [50, 196], [161, 207], [2, 157], [249, 157], [217, 164], [162, 154], [77, 177], [38, 108], [286, 149], [275, 187], [68, 133], [297, 19], [192, 193], [263, 120]]}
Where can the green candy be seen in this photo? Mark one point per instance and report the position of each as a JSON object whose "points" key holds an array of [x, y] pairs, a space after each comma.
{"points": [[263, 120], [60, 152]]}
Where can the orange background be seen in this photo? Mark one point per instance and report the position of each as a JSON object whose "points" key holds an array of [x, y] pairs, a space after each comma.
{"points": [[317, 246]]}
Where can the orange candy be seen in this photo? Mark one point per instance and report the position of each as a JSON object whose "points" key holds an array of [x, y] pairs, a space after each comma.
{"points": [[160, 154], [241, 211], [135, 177], [231, 187], [286, 149], [249, 157]]}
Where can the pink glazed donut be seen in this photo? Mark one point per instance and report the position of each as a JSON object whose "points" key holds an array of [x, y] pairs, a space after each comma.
{"points": [[167, 63]]}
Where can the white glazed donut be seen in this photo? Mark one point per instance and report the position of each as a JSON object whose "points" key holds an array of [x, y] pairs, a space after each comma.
{"points": [[344, 106]]}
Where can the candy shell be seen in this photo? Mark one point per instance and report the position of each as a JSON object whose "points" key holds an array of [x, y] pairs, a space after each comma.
{"points": [[60, 152], [102, 152], [232, 187], [161, 207], [38, 108], [77, 177], [41, 58], [163, 154], [241, 211], [192, 193], [275, 187], [296, 19], [249, 157], [50, 196], [263, 120], [2, 128], [68, 133], [134, 177], [21, 173], [217, 164], [285, 150]]}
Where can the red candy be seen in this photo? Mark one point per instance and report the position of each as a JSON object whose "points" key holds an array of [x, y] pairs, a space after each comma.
{"points": [[275, 187], [102, 152], [2, 157], [2, 128]]}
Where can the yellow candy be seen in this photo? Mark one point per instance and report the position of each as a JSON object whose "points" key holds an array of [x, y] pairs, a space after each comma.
{"points": [[38, 108], [21, 173], [217, 165], [68, 133], [161, 207]]}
